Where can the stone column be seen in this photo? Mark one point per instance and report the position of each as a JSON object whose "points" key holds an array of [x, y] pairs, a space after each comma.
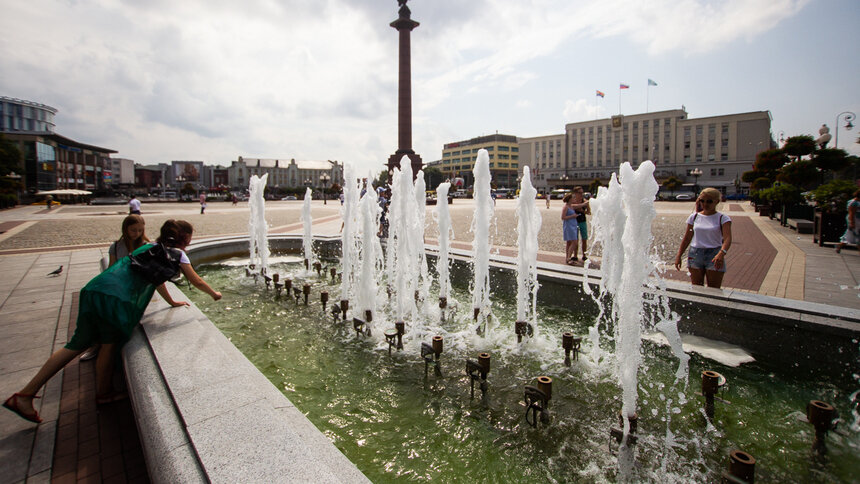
{"points": [[404, 25]]}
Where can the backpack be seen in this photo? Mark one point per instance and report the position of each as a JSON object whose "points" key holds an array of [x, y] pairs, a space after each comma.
{"points": [[157, 264]]}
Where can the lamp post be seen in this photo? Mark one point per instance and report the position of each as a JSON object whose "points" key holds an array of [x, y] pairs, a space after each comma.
{"points": [[849, 116], [781, 137], [696, 173], [324, 179]]}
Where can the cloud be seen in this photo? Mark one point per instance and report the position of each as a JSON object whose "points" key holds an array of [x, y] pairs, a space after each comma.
{"points": [[581, 110], [315, 79]]}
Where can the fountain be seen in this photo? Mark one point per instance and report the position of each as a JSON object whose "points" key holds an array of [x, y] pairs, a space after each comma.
{"points": [[481, 242], [648, 408], [257, 227], [443, 220]]}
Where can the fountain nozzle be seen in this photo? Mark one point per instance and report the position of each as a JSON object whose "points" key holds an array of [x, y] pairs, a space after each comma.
{"points": [[400, 327], [479, 370], [324, 299], [537, 401], [335, 312], [443, 302], [523, 328], [570, 344], [823, 417], [297, 293], [618, 434], [318, 268], [307, 262], [344, 307], [266, 277], [390, 336], [741, 468], [278, 285], [288, 284], [430, 353], [358, 325], [476, 312], [332, 272], [711, 383], [306, 290]]}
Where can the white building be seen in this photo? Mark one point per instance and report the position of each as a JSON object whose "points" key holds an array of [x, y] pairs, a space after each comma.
{"points": [[721, 147], [286, 173]]}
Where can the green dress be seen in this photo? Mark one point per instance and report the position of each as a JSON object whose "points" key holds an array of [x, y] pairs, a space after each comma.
{"points": [[111, 305]]}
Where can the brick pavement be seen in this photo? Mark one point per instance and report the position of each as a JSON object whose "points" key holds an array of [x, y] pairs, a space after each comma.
{"points": [[100, 444]]}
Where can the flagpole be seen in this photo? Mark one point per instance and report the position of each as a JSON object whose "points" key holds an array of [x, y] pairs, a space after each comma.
{"points": [[647, 95]]}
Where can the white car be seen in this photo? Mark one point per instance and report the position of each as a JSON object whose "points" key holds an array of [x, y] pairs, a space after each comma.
{"points": [[289, 197], [685, 196]]}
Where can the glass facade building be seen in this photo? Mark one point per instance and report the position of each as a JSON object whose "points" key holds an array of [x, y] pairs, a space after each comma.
{"points": [[17, 115]]}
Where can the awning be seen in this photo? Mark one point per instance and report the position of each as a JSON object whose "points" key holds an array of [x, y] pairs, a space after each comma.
{"points": [[67, 191]]}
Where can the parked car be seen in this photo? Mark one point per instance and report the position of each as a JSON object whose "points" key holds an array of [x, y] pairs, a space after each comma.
{"points": [[737, 196], [685, 196], [289, 197]]}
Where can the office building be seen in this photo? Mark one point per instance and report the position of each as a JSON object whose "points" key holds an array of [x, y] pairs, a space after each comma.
{"points": [[458, 159]]}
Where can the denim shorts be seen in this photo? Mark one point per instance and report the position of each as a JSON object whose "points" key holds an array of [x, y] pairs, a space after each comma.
{"points": [[700, 258]]}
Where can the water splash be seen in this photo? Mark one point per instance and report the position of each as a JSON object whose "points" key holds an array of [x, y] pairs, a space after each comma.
{"points": [[257, 228], [482, 240], [307, 222], [528, 227], [370, 261], [446, 233]]}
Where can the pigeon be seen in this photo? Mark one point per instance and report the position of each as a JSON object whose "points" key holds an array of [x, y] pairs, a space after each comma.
{"points": [[56, 272]]}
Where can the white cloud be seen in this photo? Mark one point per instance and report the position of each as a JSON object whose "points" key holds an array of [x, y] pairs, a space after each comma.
{"points": [[582, 110], [160, 80]]}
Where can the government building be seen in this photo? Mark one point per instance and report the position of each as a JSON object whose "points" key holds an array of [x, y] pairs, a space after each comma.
{"points": [[286, 173], [458, 159], [712, 151]]}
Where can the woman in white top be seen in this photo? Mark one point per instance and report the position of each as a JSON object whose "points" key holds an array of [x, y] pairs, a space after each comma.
{"points": [[709, 235]]}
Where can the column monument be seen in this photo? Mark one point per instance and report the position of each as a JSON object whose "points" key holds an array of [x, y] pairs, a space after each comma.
{"points": [[404, 25]]}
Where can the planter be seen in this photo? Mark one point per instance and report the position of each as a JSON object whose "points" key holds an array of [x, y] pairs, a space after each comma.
{"points": [[798, 211], [763, 210], [828, 227]]}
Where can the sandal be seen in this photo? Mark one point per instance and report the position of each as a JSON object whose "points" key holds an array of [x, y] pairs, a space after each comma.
{"points": [[12, 404]]}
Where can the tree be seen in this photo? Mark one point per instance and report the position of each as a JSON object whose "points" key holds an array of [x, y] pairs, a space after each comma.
{"points": [[433, 177], [801, 173], [769, 161], [798, 146], [381, 179], [188, 189], [833, 196], [830, 159], [672, 183], [761, 183], [10, 157]]}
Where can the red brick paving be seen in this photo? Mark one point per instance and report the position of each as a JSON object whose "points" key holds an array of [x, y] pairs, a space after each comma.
{"points": [[748, 260], [94, 443]]}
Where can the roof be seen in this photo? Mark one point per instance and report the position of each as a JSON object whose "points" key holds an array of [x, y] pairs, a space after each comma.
{"points": [[301, 164]]}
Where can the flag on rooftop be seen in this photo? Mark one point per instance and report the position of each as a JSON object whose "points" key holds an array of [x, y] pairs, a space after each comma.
{"points": [[624, 86], [600, 93], [651, 82]]}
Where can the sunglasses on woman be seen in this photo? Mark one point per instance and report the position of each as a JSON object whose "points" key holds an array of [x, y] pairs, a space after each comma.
{"points": [[708, 202]]}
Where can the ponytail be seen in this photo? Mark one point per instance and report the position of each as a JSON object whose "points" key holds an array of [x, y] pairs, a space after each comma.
{"points": [[175, 232]]}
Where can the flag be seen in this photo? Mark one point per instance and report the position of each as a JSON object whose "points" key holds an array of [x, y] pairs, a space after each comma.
{"points": [[651, 82], [599, 93], [624, 86]]}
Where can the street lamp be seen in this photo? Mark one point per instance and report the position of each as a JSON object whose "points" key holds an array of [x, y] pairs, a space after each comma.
{"points": [[781, 137], [696, 173], [324, 179], [849, 116]]}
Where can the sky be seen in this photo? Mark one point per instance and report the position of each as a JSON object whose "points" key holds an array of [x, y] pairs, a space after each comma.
{"points": [[162, 80]]}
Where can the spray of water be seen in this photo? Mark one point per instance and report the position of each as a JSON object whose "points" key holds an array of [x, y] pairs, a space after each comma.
{"points": [[257, 228], [528, 227], [482, 240], [446, 233], [370, 261], [307, 222], [349, 240]]}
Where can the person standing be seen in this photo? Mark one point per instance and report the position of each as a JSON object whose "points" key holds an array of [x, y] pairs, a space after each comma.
{"points": [[202, 203], [709, 236], [852, 233], [583, 209], [133, 205], [569, 228]]}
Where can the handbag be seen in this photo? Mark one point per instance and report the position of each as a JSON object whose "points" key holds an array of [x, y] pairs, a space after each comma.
{"points": [[157, 264]]}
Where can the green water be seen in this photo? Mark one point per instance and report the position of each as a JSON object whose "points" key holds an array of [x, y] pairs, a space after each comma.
{"points": [[398, 426]]}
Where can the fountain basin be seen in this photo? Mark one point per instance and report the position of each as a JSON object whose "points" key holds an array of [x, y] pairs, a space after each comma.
{"points": [[558, 285]]}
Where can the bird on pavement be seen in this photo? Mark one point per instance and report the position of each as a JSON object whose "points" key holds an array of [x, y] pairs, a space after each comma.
{"points": [[56, 272]]}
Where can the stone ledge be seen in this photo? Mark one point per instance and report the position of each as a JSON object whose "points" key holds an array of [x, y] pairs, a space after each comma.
{"points": [[206, 414]]}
